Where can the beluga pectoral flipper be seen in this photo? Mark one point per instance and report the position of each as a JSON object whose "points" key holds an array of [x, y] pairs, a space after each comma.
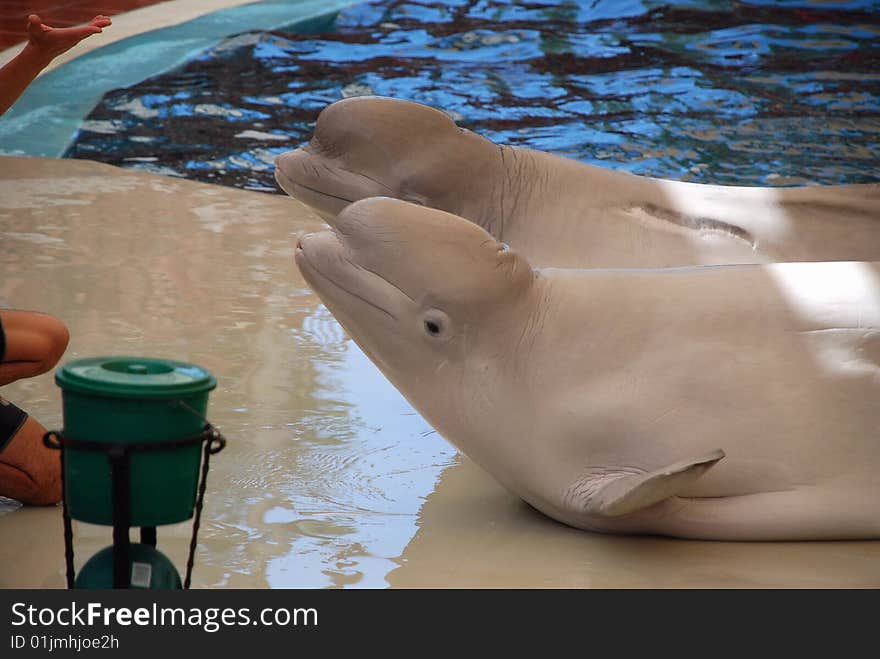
{"points": [[607, 493]]}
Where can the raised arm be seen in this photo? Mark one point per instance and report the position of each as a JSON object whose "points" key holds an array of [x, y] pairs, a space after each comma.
{"points": [[44, 44]]}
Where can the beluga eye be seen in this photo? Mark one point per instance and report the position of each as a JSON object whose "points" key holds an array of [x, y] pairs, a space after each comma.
{"points": [[436, 324]]}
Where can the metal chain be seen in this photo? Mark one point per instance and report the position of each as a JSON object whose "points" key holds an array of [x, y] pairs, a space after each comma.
{"points": [[52, 440], [68, 531], [203, 483]]}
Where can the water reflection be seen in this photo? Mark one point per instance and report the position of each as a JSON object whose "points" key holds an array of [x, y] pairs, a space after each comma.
{"points": [[358, 488], [743, 93]]}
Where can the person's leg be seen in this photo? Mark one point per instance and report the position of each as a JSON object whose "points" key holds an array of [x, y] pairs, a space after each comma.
{"points": [[31, 343], [29, 472], [34, 342]]}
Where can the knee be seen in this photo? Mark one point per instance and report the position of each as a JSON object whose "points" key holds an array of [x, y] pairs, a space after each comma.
{"points": [[58, 337], [35, 339], [55, 337]]}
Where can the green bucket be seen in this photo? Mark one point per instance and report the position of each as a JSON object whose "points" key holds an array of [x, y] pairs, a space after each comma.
{"points": [[135, 400]]}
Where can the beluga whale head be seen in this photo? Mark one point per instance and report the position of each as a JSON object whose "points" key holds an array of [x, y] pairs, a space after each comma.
{"points": [[372, 146], [429, 301]]}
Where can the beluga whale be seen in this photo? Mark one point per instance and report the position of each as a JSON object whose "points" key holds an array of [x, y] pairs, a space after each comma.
{"points": [[564, 213], [721, 403]]}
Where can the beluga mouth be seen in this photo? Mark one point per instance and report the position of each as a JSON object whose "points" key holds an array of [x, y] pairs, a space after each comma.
{"points": [[291, 187], [339, 281]]}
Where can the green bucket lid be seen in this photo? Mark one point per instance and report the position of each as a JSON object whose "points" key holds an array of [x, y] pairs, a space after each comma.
{"points": [[134, 377]]}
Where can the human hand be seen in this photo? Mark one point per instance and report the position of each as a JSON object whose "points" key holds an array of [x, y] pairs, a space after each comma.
{"points": [[52, 41]]}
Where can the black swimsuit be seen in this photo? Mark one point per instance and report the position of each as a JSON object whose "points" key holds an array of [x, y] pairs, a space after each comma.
{"points": [[11, 417]]}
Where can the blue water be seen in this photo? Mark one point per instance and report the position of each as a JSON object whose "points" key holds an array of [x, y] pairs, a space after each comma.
{"points": [[748, 93]]}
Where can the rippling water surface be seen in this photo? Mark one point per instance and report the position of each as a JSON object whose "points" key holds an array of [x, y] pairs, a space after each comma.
{"points": [[749, 93]]}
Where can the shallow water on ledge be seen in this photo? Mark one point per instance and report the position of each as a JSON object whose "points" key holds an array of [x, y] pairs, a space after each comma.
{"points": [[743, 93], [326, 467]]}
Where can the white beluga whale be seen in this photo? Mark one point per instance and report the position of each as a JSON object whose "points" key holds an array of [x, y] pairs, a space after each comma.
{"points": [[728, 403]]}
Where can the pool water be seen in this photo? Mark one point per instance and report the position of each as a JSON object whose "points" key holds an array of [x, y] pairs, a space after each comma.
{"points": [[745, 93]]}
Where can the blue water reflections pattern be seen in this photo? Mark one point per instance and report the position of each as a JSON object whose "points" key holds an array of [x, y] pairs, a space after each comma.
{"points": [[745, 93]]}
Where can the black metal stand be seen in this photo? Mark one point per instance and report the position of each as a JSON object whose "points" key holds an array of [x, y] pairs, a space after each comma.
{"points": [[119, 457], [148, 535]]}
